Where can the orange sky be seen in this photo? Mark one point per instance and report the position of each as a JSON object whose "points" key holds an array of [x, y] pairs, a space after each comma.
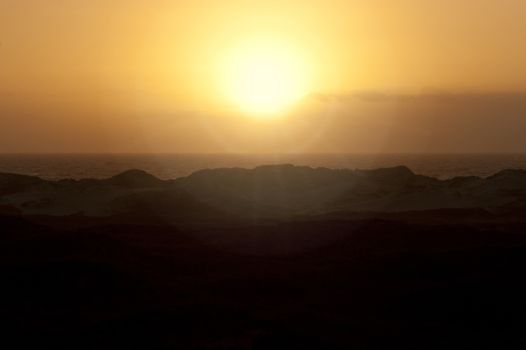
{"points": [[143, 76]]}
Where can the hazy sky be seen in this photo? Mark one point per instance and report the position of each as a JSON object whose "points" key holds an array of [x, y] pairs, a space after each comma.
{"points": [[146, 76]]}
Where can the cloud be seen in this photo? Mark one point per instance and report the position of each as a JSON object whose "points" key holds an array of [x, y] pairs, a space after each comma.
{"points": [[432, 95], [430, 121]]}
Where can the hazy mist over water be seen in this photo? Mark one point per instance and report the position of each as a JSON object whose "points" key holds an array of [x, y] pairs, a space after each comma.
{"points": [[170, 166]]}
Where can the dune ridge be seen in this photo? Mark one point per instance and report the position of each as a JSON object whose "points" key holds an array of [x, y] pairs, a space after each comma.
{"points": [[265, 191]]}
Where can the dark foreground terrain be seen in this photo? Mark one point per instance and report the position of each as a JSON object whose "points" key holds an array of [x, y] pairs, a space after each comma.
{"points": [[200, 277]]}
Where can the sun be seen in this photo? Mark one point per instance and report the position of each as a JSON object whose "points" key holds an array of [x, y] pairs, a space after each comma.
{"points": [[264, 78]]}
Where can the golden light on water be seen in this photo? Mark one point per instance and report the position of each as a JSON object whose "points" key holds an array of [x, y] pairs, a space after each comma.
{"points": [[264, 78]]}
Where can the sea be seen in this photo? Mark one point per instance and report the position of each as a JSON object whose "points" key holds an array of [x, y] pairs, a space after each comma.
{"points": [[171, 166]]}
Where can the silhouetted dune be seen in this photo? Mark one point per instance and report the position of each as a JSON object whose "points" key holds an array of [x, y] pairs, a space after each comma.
{"points": [[265, 191], [13, 183], [275, 257], [169, 205], [135, 179]]}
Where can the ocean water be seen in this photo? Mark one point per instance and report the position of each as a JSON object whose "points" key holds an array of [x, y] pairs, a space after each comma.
{"points": [[170, 166]]}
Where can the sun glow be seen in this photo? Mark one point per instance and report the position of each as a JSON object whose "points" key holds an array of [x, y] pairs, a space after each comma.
{"points": [[264, 78]]}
